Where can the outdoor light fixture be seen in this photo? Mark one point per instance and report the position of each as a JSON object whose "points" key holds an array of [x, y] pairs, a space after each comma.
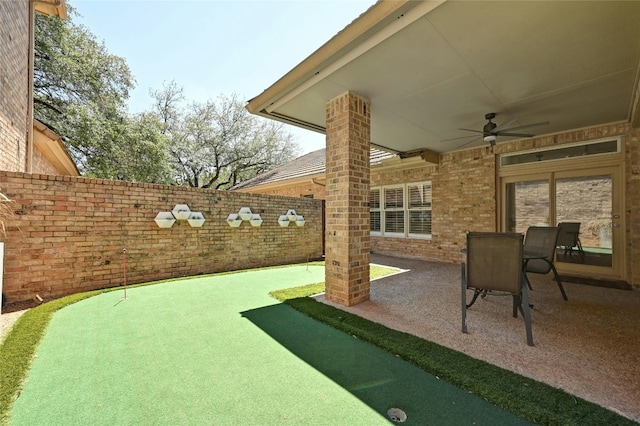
{"points": [[165, 219], [491, 139]]}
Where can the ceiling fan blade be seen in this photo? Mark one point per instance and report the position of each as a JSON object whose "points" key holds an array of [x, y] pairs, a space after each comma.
{"points": [[471, 130], [543, 123], [523, 135], [459, 137], [505, 124], [469, 142]]}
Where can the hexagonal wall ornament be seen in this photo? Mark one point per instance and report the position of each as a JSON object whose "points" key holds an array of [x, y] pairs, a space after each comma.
{"points": [[245, 213], [284, 220], [196, 219], [300, 221], [165, 219], [292, 215], [181, 211], [234, 220], [255, 220]]}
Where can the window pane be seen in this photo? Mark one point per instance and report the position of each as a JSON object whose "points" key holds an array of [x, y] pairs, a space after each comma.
{"points": [[394, 221], [420, 222], [559, 153], [587, 200], [419, 195], [374, 199], [374, 220], [393, 198], [527, 205]]}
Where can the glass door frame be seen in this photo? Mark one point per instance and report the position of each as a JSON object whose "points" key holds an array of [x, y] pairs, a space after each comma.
{"points": [[552, 170]]}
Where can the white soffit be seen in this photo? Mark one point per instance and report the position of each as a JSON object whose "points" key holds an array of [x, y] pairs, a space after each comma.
{"points": [[442, 67]]}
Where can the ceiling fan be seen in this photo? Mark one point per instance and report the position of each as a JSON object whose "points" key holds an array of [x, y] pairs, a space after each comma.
{"points": [[491, 130]]}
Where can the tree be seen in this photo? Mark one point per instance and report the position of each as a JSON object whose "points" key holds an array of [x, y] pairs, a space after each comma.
{"points": [[216, 144], [80, 91]]}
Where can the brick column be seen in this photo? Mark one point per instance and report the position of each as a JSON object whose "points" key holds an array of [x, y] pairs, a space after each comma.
{"points": [[347, 203]]}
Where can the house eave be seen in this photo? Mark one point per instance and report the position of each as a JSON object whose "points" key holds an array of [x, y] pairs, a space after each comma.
{"points": [[340, 44], [51, 7], [52, 148]]}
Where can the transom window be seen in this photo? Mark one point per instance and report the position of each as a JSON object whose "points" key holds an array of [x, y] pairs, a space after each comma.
{"points": [[401, 210]]}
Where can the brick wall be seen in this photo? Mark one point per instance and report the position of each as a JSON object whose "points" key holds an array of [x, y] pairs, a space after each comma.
{"points": [[464, 194], [464, 199], [632, 205], [69, 233], [14, 83], [347, 210]]}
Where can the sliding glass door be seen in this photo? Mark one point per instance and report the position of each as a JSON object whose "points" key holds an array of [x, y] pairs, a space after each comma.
{"points": [[585, 202]]}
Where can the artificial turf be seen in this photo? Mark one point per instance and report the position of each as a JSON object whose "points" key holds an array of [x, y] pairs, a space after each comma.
{"points": [[219, 350]]}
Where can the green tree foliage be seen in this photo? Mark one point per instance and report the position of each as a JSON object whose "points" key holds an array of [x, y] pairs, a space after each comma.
{"points": [[80, 91], [216, 144]]}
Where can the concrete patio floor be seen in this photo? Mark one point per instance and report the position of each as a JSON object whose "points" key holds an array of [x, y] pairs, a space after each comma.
{"points": [[588, 346]]}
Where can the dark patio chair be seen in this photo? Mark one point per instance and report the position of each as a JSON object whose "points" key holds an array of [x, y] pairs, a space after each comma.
{"points": [[569, 238], [494, 263], [542, 240]]}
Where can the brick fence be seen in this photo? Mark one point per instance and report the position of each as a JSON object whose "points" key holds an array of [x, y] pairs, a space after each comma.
{"points": [[69, 233]]}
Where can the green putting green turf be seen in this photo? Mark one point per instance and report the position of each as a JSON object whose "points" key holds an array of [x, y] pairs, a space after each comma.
{"points": [[218, 350]]}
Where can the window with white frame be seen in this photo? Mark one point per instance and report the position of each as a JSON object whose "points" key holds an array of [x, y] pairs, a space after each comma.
{"points": [[401, 210]]}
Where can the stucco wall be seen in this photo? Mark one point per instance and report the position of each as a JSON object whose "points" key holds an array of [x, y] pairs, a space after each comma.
{"points": [[69, 233]]}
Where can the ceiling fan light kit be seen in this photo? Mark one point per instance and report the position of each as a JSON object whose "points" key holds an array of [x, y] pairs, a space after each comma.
{"points": [[491, 139], [491, 130]]}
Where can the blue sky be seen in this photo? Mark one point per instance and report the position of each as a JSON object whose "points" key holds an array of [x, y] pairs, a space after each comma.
{"points": [[215, 47]]}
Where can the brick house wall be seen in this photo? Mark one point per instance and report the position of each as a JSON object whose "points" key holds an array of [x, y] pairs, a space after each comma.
{"points": [[464, 195], [69, 233], [14, 83], [456, 209]]}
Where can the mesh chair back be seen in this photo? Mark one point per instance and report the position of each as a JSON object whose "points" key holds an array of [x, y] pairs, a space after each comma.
{"points": [[541, 240], [568, 236], [494, 261]]}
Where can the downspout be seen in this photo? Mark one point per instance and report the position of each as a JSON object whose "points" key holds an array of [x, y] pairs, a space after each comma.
{"points": [[29, 151]]}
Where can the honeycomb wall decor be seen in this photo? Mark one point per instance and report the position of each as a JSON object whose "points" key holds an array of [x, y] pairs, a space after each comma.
{"points": [[180, 212], [291, 216], [244, 214]]}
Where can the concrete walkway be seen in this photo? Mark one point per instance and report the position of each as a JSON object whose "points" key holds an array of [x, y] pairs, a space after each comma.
{"points": [[589, 345]]}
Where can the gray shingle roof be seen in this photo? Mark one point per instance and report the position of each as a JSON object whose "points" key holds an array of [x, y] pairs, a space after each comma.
{"points": [[310, 164]]}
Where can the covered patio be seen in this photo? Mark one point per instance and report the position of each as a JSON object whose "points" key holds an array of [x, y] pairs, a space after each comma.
{"points": [[421, 79], [587, 346]]}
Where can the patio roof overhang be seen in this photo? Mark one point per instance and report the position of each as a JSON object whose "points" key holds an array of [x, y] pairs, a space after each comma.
{"points": [[52, 148], [432, 67], [51, 7]]}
